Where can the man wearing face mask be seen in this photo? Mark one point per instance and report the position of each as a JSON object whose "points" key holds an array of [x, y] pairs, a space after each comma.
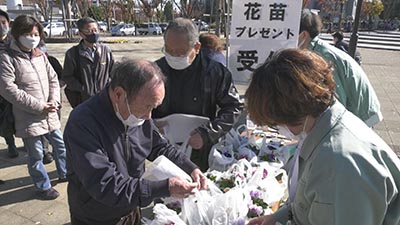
{"points": [[87, 66], [198, 86], [4, 29], [109, 138], [5, 127], [353, 88]]}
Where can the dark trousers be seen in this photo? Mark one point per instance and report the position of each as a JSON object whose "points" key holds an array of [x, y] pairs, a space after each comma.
{"points": [[10, 140], [132, 218]]}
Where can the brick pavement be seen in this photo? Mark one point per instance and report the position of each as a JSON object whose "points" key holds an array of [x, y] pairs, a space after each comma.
{"points": [[18, 205]]}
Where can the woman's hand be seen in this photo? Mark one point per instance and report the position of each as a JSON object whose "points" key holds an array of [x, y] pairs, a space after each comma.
{"points": [[50, 107]]}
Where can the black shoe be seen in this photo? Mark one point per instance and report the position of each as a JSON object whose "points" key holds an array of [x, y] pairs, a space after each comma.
{"points": [[48, 194], [62, 180], [2, 182], [12, 151], [47, 158]]}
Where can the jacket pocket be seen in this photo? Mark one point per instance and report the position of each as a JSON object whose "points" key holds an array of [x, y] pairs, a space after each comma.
{"points": [[321, 213]]}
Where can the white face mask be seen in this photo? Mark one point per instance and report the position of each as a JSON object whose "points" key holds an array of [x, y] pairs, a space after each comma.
{"points": [[29, 42], [4, 30], [178, 63], [132, 120], [285, 131]]}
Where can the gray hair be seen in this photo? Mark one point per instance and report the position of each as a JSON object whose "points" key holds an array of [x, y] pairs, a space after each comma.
{"points": [[184, 26], [132, 75], [310, 22]]}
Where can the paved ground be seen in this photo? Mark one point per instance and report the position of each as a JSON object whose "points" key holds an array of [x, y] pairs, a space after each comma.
{"points": [[18, 205]]}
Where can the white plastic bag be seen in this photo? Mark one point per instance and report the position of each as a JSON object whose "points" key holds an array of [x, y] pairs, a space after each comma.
{"points": [[264, 180], [177, 127], [244, 152], [197, 208], [163, 216], [230, 206], [162, 168], [221, 157], [185, 147], [232, 138]]}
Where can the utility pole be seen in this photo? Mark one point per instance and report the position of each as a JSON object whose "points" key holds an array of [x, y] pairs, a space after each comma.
{"points": [[341, 14], [354, 35], [218, 19], [211, 14]]}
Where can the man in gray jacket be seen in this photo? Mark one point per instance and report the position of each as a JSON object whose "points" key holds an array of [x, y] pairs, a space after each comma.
{"points": [[87, 66]]}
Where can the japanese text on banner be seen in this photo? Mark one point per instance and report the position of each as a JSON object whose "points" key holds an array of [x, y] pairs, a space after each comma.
{"points": [[258, 29]]}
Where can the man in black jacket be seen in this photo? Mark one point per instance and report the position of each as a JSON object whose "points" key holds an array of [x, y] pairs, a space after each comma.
{"points": [[6, 128], [87, 66], [340, 43], [108, 138], [198, 86]]}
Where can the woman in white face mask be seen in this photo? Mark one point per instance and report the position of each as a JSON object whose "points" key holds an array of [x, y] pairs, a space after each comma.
{"points": [[342, 171], [30, 84]]}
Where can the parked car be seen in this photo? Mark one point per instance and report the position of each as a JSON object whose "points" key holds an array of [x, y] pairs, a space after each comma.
{"points": [[57, 29], [163, 26], [123, 29], [203, 25], [102, 26], [75, 30], [149, 28]]}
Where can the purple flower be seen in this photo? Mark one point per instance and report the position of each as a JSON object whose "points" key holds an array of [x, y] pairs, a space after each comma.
{"points": [[176, 204], [226, 152], [255, 211], [243, 156], [265, 174], [255, 194], [272, 158], [239, 222]]}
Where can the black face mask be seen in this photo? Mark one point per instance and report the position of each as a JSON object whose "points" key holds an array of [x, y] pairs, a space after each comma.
{"points": [[92, 38]]}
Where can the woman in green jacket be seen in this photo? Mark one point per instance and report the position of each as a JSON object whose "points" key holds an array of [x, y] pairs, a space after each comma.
{"points": [[342, 171]]}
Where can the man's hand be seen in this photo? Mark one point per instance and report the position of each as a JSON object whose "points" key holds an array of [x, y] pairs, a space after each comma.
{"points": [[200, 179], [195, 140], [50, 107], [263, 220], [180, 188]]}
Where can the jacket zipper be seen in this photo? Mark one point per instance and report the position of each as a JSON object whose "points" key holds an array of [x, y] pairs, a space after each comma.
{"points": [[44, 95], [126, 146]]}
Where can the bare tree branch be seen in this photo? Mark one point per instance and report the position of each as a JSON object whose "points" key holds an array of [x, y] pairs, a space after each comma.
{"points": [[190, 8], [44, 8]]}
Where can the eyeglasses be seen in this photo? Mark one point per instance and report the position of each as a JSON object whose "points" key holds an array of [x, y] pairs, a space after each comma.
{"points": [[178, 54]]}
